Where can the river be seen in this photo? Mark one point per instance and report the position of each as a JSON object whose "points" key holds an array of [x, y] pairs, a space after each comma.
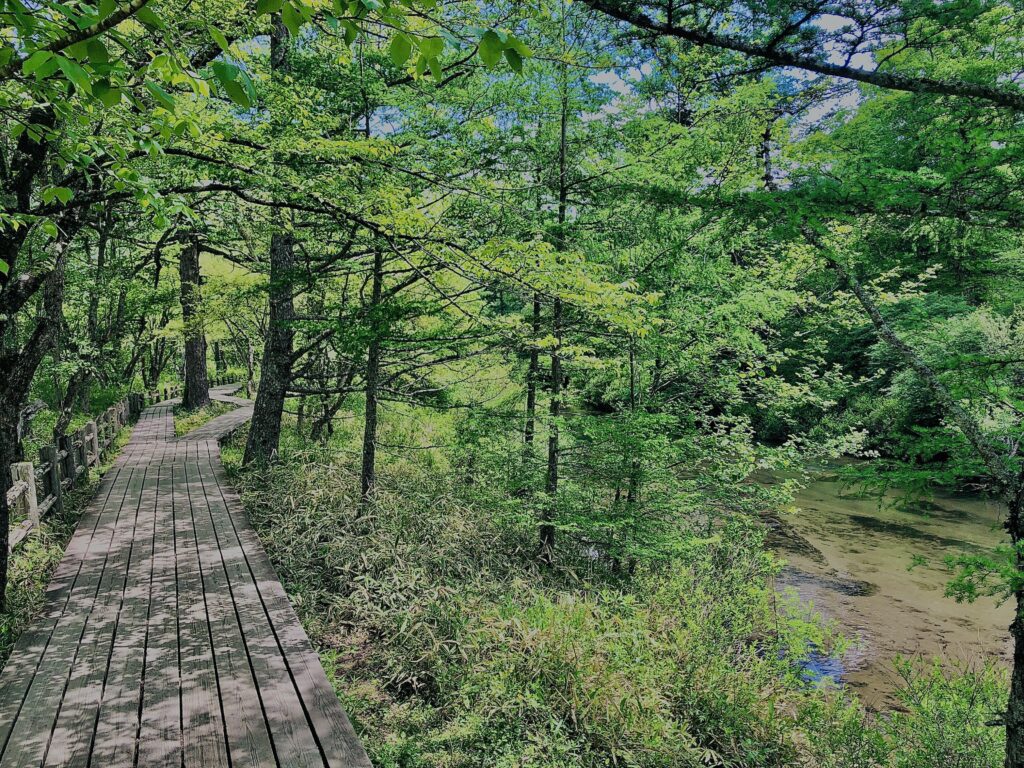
{"points": [[851, 558]]}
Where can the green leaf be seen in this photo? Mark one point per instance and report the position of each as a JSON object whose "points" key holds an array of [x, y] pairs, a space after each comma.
{"points": [[431, 47], [292, 19], [351, 31], [225, 71], [74, 72], [268, 6], [400, 49], [435, 69], [78, 51], [514, 59], [150, 18], [5, 268], [97, 51], [161, 96], [219, 39], [519, 46], [106, 7], [237, 93], [246, 82], [63, 194], [35, 61], [108, 95], [490, 48]]}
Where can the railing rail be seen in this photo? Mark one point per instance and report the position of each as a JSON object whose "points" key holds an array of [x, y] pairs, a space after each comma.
{"points": [[38, 489]]}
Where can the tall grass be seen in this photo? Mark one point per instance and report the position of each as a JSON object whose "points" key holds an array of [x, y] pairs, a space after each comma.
{"points": [[451, 649]]}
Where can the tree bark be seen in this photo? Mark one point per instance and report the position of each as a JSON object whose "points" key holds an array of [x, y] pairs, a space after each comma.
{"points": [[547, 528], [532, 374], [276, 368], [17, 369], [8, 455], [197, 383], [368, 478], [1014, 719]]}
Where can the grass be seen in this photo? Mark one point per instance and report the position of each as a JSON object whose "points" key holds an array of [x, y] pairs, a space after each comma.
{"points": [[187, 421], [33, 563], [450, 648]]}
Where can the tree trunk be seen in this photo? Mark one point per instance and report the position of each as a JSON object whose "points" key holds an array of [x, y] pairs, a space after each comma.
{"points": [[547, 528], [1014, 719], [276, 368], [17, 369], [197, 384], [250, 369], [219, 358], [368, 478], [532, 374]]}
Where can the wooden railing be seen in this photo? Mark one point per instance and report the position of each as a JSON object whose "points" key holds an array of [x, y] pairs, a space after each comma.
{"points": [[38, 489], [169, 391]]}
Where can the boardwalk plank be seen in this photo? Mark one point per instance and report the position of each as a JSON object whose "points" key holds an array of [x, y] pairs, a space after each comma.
{"points": [[114, 742], [296, 744], [160, 720], [72, 737], [30, 736], [247, 731], [165, 637], [30, 648]]}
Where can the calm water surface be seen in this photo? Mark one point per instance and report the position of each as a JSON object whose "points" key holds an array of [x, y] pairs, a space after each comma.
{"points": [[850, 557]]}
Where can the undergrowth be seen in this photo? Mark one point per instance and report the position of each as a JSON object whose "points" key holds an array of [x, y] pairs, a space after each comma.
{"points": [[187, 421], [450, 648]]}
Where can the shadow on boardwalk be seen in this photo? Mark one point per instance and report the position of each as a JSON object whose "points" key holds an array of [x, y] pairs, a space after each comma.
{"points": [[166, 638]]}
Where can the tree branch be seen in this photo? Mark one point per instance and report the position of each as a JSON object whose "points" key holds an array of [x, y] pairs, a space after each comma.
{"points": [[627, 11]]}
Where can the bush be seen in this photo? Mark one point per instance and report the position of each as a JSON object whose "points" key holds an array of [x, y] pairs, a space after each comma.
{"points": [[451, 649]]}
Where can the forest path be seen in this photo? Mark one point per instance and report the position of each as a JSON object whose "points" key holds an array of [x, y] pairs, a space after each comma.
{"points": [[166, 638]]}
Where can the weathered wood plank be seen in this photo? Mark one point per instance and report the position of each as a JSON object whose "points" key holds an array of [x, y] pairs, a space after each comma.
{"points": [[249, 741], [166, 639], [72, 739], [30, 649], [295, 743], [117, 723], [202, 719], [160, 719], [30, 736]]}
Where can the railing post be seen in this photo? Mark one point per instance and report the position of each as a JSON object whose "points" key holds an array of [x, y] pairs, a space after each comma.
{"points": [[91, 434], [48, 456], [23, 471], [80, 444], [64, 443]]}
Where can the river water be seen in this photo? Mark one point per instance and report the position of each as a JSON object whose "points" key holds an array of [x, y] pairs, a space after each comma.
{"points": [[851, 558]]}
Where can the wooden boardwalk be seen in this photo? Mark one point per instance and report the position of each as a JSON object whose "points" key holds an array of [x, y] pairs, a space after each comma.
{"points": [[166, 638]]}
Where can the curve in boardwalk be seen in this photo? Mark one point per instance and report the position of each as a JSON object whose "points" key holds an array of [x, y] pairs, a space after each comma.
{"points": [[166, 638]]}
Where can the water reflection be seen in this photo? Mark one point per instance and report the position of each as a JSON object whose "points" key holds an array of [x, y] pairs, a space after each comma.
{"points": [[878, 570]]}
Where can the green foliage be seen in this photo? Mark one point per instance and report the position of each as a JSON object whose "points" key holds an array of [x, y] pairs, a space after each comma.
{"points": [[187, 421], [944, 719]]}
